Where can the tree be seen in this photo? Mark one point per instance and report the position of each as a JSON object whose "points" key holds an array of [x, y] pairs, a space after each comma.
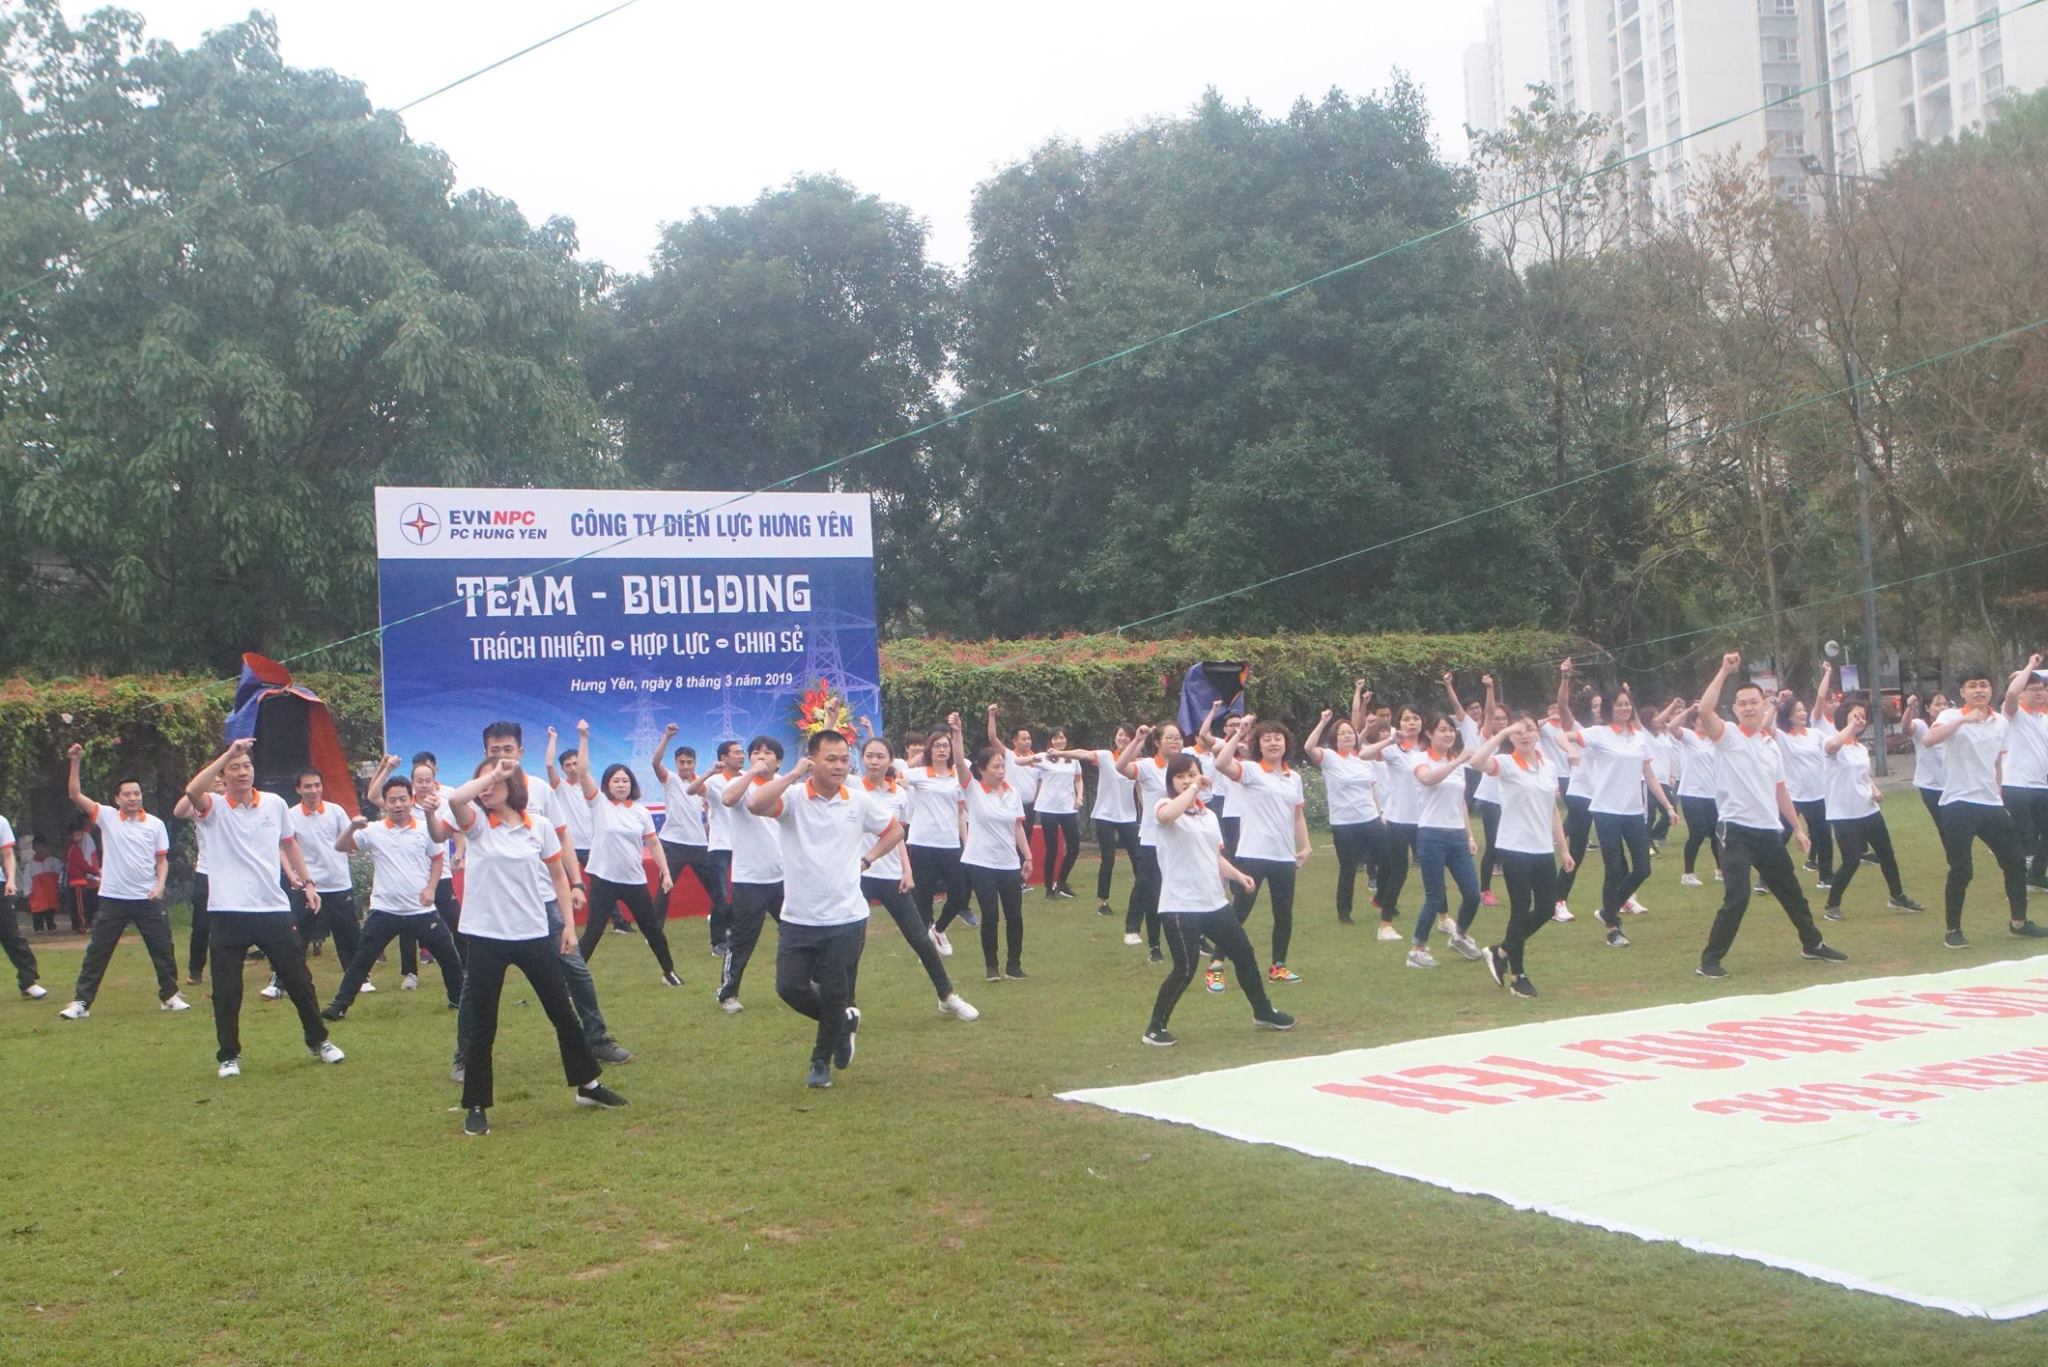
{"points": [[262, 299]]}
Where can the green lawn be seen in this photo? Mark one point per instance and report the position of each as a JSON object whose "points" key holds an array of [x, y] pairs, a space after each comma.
{"points": [[936, 1206]]}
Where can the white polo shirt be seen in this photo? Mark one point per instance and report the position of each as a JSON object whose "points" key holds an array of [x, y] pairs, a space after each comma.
{"points": [[992, 817], [893, 797], [2026, 750], [1440, 807], [1190, 879], [1663, 752], [1023, 777], [1116, 797], [1805, 763], [500, 900], [1613, 765], [1972, 757], [1056, 786], [1151, 787], [541, 806], [129, 848], [1488, 787], [1404, 796], [1697, 766], [1930, 764], [1348, 780], [1747, 777], [823, 839], [575, 814], [1268, 798], [317, 830], [618, 835], [402, 862], [756, 843], [241, 855], [934, 808], [717, 816], [683, 821], [1548, 740], [1223, 789], [1851, 791], [1528, 803]]}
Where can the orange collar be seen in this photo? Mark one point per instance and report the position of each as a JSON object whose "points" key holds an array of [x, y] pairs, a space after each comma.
{"points": [[1271, 769], [410, 822], [811, 791], [1160, 761], [1753, 735], [888, 784], [1621, 728], [1431, 752], [313, 811], [1002, 787], [493, 820], [759, 780], [620, 802], [255, 798], [1516, 756], [140, 815]]}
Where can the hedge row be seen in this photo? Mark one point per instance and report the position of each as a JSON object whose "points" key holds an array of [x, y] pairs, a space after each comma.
{"points": [[162, 728]]}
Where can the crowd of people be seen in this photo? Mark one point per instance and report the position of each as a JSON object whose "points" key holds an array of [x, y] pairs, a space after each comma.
{"points": [[488, 874]]}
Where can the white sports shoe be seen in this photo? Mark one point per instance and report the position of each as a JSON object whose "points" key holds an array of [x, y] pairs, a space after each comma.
{"points": [[1562, 914], [1447, 923], [731, 1006], [231, 1068], [1634, 908], [35, 992], [77, 1011], [1387, 931], [956, 1006], [1421, 958], [1689, 880], [328, 1052], [367, 986], [1132, 937], [942, 944], [1467, 946], [175, 1002], [272, 991], [409, 983]]}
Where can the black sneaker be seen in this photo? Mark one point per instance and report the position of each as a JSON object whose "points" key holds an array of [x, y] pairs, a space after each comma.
{"points": [[1711, 971], [456, 1074], [1497, 965], [333, 1013], [1522, 987], [2027, 930], [1905, 903], [1102, 909], [973, 921], [597, 1094], [1831, 913], [1346, 921], [1616, 940], [672, 978], [1015, 971], [842, 1057], [1275, 1020], [1160, 1037], [1954, 940], [611, 1051], [1826, 953], [718, 951], [1155, 957], [1063, 892], [476, 1124], [820, 1074]]}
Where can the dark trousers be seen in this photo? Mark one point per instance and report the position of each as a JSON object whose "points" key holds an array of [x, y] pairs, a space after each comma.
{"points": [[1963, 824], [1814, 816], [916, 934], [1624, 859], [1659, 819], [18, 953], [1279, 874], [999, 891], [1744, 849], [575, 976], [1578, 824], [2029, 808], [1185, 932], [1532, 896], [814, 973], [485, 961], [83, 902], [197, 953], [1358, 844], [1854, 837], [711, 873], [277, 935], [934, 870], [116, 915], [1930, 798], [605, 899], [336, 917], [1111, 836], [379, 931], [1702, 827], [1229, 827], [1489, 830], [752, 905], [1400, 844], [1144, 906], [1062, 845]]}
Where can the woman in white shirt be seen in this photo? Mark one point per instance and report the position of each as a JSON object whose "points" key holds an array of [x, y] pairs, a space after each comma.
{"points": [[1698, 769], [505, 925], [1805, 767], [1930, 766], [1148, 772], [1193, 903], [1059, 812], [997, 857], [1852, 798], [887, 880], [621, 836], [1115, 813], [1355, 827], [1272, 838], [1443, 841], [1532, 842], [1400, 751], [934, 837]]}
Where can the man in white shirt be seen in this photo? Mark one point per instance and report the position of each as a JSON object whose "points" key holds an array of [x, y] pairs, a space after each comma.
{"points": [[756, 868], [408, 863], [686, 832], [317, 823], [2025, 777], [572, 811], [1973, 740], [12, 883], [826, 829], [1756, 811], [135, 852]]}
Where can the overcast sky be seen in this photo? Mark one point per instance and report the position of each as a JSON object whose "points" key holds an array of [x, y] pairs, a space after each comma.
{"points": [[674, 104]]}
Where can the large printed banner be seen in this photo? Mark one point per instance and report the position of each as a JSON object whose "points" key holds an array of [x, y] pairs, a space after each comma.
{"points": [[1877, 1134], [629, 610]]}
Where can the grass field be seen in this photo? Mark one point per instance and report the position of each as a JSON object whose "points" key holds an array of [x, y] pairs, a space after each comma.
{"points": [[936, 1206]]}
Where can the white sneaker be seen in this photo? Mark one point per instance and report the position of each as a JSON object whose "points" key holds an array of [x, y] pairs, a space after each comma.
{"points": [[272, 992], [1717, 875], [35, 992], [942, 944], [232, 1068], [731, 1006], [956, 1006], [1467, 946], [77, 1011], [1447, 923], [409, 983], [1132, 937], [1633, 908], [1562, 914], [175, 1002], [328, 1052], [367, 986], [1421, 958], [1689, 880], [1387, 931]]}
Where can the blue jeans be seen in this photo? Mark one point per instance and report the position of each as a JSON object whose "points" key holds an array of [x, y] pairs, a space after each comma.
{"points": [[582, 992], [1438, 850]]}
